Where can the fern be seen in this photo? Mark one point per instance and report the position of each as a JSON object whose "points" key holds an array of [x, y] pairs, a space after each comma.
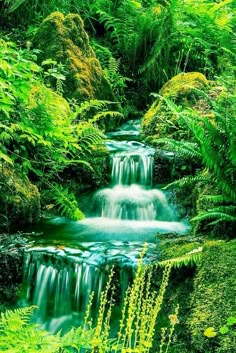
{"points": [[16, 319], [187, 181], [191, 258], [215, 146], [103, 116], [14, 4], [220, 214], [86, 106], [65, 202], [17, 334], [188, 149], [88, 136]]}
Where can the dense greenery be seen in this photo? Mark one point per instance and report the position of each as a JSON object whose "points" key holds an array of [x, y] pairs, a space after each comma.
{"points": [[70, 71]]}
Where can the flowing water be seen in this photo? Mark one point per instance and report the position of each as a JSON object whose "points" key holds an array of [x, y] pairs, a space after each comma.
{"points": [[73, 259]]}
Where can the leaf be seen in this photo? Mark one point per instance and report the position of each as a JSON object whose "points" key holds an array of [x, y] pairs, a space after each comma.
{"points": [[231, 321], [6, 158], [210, 332], [223, 330]]}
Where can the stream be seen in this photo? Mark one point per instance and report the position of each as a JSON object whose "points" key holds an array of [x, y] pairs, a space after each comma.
{"points": [[71, 259]]}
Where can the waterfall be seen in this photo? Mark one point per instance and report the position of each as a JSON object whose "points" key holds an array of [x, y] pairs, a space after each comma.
{"points": [[134, 169], [132, 203], [130, 197], [74, 259], [63, 284]]}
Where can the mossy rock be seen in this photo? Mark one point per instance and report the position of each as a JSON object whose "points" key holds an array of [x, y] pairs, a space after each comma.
{"points": [[93, 177], [19, 198], [11, 268], [186, 90], [63, 38], [213, 299]]}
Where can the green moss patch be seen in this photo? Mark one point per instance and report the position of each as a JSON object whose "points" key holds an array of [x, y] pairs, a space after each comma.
{"points": [[213, 299]]}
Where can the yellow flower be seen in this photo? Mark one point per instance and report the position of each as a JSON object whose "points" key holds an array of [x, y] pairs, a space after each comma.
{"points": [[173, 319]]}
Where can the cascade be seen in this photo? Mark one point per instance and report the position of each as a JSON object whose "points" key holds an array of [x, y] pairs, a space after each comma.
{"points": [[73, 259]]}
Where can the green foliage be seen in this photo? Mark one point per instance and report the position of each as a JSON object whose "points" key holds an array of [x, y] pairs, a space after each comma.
{"points": [[18, 334], [214, 141], [150, 41], [189, 259], [98, 112], [65, 202], [39, 134], [111, 68]]}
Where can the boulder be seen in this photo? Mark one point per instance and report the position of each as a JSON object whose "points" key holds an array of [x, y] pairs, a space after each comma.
{"points": [[11, 268], [63, 39], [185, 90]]}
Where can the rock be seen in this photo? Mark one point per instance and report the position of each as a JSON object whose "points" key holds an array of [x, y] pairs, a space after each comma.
{"points": [[185, 90], [11, 268], [213, 298], [87, 179], [63, 38], [170, 166], [19, 198]]}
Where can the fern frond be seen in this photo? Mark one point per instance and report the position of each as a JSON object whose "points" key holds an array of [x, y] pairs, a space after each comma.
{"points": [[65, 202], [17, 334], [88, 135], [107, 114], [14, 4], [16, 319], [184, 148], [215, 198], [191, 258], [220, 214], [187, 181], [90, 104]]}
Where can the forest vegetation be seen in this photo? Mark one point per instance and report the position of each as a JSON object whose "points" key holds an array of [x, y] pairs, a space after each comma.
{"points": [[71, 71]]}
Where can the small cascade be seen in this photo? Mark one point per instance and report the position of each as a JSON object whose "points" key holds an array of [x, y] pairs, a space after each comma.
{"points": [[131, 196], [132, 169], [63, 283], [133, 203]]}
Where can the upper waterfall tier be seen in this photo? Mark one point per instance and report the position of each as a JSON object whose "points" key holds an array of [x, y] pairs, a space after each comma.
{"points": [[132, 163], [133, 169]]}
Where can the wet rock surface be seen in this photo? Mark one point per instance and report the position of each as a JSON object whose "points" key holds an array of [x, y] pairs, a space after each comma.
{"points": [[11, 268]]}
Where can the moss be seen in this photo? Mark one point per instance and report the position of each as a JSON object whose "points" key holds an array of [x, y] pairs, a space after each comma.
{"points": [[19, 198], [205, 293], [161, 121], [213, 298], [184, 84], [63, 38], [178, 246]]}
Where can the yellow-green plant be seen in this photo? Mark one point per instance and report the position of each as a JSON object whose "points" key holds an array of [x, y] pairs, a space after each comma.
{"points": [[135, 334]]}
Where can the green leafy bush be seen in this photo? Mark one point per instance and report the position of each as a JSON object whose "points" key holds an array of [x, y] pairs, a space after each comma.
{"points": [[39, 134]]}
